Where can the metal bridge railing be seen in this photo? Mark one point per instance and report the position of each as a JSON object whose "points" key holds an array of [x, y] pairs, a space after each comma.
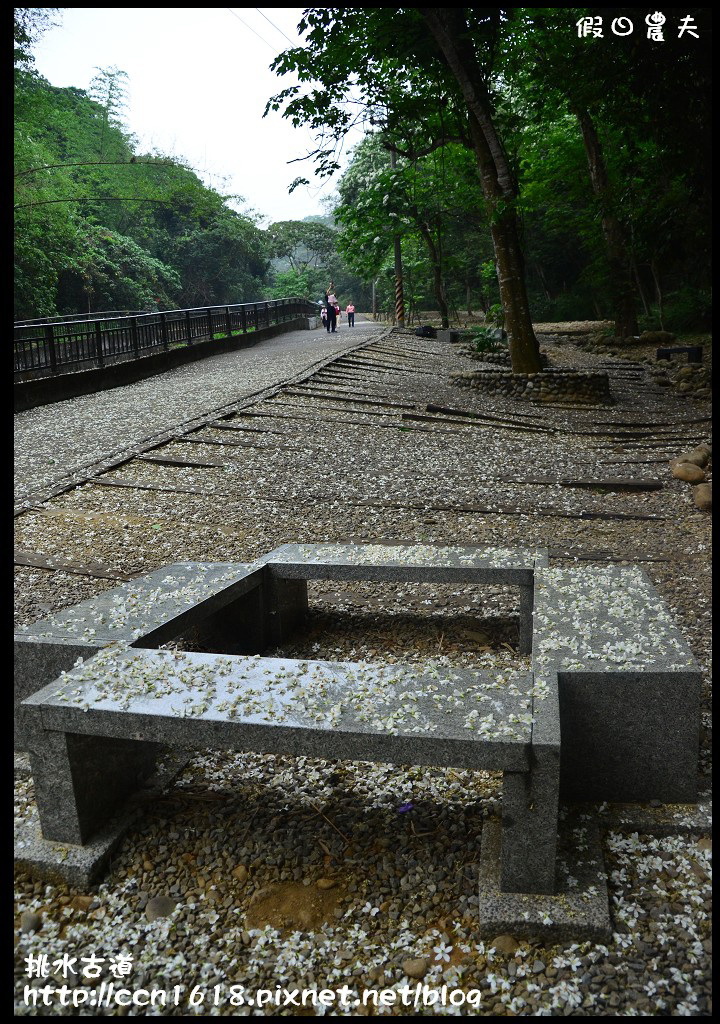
{"points": [[45, 349]]}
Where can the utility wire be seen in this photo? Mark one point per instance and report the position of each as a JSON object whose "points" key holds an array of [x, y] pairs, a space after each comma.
{"points": [[275, 27], [273, 48]]}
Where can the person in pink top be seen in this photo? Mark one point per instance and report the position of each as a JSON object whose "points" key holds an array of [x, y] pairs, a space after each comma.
{"points": [[350, 310]]}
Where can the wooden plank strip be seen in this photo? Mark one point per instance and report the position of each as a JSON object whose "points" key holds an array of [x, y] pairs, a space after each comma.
{"points": [[347, 378], [226, 444], [669, 443], [137, 486], [343, 398], [367, 360], [35, 561], [631, 462], [344, 389], [616, 484], [162, 460], [678, 424], [385, 369], [238, 427], [497, 425], [446, 411], [512, 511], [327, 408], [310, 419]]}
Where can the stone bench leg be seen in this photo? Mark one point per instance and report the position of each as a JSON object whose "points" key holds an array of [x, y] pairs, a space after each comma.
{"points": [[38, 661], [81, 780], [530, 826], [286, 604], [526, 619]]}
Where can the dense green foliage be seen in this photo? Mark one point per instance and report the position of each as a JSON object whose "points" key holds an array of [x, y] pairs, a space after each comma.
{"points": [[600, 149], [606, 139]]}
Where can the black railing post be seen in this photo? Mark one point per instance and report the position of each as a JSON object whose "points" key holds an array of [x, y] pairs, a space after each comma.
{"points": [[164, 332], [134, 337], [210, 324], [99, 344], [50, 339], [267, 314], [228, 322], [188, 327], [243, 319]]}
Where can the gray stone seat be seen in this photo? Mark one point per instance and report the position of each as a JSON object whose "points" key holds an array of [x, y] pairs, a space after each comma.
{"points": [[147, 611], [397, 563], [609, 670], [94, 733], [694, 352], [256, 604], [628, 686], [426, 563]]}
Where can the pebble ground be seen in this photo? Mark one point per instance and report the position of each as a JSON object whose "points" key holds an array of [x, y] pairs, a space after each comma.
{"points": [[264, 872]]}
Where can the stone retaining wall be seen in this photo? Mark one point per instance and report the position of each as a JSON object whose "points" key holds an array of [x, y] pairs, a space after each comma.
{"points": [[553, 384], [498, 358]]}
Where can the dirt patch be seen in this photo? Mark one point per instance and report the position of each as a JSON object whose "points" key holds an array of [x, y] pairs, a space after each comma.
{"points": [[292, 906]]}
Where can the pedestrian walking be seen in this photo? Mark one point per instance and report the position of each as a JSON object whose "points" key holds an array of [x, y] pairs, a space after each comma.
{"points": [[332, 307], [350, 310]]}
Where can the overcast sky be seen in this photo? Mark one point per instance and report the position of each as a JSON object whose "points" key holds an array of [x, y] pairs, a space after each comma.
{"points": [[198, 82]]}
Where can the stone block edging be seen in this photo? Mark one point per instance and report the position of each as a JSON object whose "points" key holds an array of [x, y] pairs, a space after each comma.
{"points": [[553, 384]]}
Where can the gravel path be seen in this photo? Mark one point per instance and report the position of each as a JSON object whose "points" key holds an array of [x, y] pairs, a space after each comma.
{"points": [[55, 441], [262, 871]]}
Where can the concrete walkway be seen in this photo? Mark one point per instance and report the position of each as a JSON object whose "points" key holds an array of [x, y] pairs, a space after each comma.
{"points": [[53, 442]]}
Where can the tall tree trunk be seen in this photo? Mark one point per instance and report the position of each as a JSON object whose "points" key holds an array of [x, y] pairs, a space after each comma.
{"points": [[641, 290], [619, 261], [450, 30], [399, 290], [658, 293], [436, 264], [543, 282]]}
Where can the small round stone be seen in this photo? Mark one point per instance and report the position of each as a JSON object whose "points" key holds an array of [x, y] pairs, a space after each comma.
{"points": [[415, 967], [159, 906], [30, 922]]}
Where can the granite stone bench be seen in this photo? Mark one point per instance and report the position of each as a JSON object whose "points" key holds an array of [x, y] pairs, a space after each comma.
{"points": [[292, 565], [694, 353], [94, 734], [256, 604], [196, 600], [610, 673], [628, 686]]}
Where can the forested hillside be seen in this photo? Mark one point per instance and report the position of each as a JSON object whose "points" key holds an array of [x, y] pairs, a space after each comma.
{"points": [[102, 226], [531, 150]]}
